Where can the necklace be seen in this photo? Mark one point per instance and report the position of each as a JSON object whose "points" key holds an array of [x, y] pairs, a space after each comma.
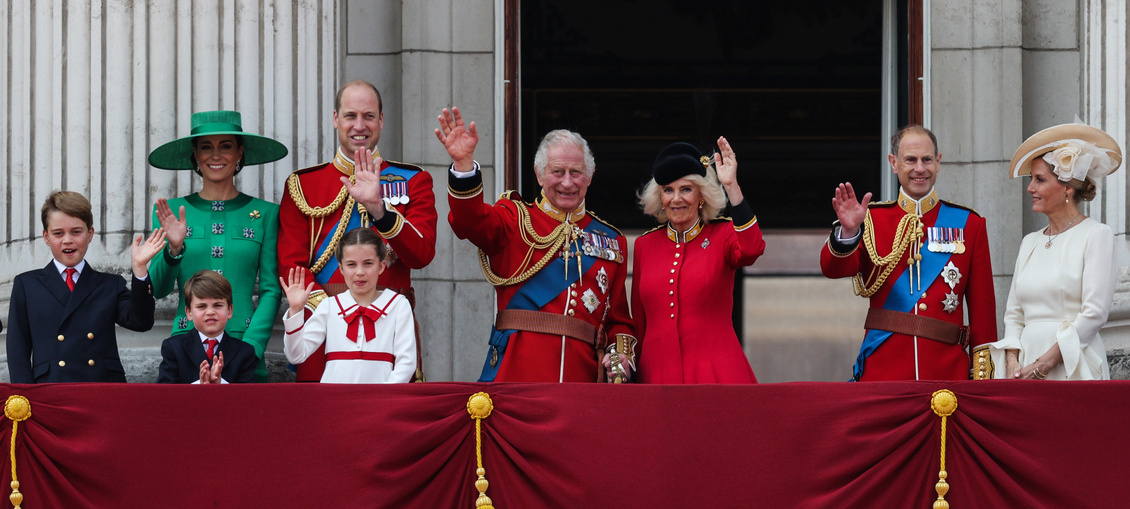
{"points": [[1049, 244]]}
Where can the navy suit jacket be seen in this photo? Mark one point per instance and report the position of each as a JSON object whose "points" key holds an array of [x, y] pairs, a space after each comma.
{"points": [[56, 335], [182, 354]]}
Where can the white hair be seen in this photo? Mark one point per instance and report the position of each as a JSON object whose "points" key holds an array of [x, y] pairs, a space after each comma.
{"points": [[561, 137]]}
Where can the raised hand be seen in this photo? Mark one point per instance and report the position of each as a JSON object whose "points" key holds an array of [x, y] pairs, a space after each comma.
{"points": [[367, 189], [726, 164], [141, 252], [459, 139], [850, 211], [176, 228], [297, 291]]}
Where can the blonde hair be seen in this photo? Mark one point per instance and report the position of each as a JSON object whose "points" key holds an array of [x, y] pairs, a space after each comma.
{"points": [[714, 199]]}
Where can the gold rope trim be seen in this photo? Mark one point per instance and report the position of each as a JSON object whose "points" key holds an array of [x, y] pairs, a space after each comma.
{"points": [[295, 188], [553, 242], [479, 405], [909, 231], [944, 404], [17, 409]]}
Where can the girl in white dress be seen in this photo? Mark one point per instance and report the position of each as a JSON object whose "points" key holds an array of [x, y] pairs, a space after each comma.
{"points": [[369, 333], [1063, 284]]}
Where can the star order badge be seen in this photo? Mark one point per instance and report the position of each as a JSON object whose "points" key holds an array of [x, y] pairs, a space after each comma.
{"points": [[950, 302], [590, 300], [602, 281], [951, 275]]}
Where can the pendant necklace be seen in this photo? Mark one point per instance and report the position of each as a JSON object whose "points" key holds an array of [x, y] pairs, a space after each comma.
{"points": [[1049, 243]]}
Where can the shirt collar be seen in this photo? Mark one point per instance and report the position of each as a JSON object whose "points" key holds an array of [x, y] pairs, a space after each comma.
{"points": [[918, 207], [345, 165], [204, 338], [551, 211], [60, 267], [687, 236]]}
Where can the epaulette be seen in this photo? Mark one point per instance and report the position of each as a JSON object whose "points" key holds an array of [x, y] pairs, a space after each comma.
{"points": [[657, 228], [952, 204], [722, 219], [312, 168], [406, 166], [605, 223], [512, 195], [879, 204]]}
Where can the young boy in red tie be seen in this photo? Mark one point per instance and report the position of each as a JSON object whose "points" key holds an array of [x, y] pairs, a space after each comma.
{"points": [[61, 317], [206, 355]]}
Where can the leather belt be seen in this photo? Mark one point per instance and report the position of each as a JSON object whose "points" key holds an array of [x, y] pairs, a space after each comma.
{"points": [[545, 323], [916, 325]]}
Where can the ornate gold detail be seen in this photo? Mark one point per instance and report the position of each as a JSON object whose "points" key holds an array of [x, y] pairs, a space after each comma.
{"points": [[944, 404], [908, 234], [466, 194], [295, 187], [316, 297], [563, 233], [255, 213], [16, 409], [983, 368], [479, 406]]}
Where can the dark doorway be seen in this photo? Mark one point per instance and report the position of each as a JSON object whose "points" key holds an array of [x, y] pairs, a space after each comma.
{"points": [[795, 86]]}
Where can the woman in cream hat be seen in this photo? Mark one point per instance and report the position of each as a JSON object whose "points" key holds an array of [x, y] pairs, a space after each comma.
{"points": [[220, 228], [1063, 284]]}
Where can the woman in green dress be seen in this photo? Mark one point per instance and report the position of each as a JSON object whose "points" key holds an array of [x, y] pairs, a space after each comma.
{"points": [[220, 228]]}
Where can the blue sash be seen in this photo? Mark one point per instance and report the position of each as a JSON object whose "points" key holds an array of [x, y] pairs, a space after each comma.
{"points": [[323, 276], [538, 291], [898, 300]]}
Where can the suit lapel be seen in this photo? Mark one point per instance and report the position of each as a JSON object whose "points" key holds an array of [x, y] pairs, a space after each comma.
{"points": [[87, 282], [194, 348], [53, 282]]}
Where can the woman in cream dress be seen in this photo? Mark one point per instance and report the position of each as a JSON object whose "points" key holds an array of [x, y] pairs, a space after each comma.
{"points": [[1063, 283]]}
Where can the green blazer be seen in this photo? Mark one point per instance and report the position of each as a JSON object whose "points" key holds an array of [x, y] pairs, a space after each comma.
{"points": [[238, 239]]}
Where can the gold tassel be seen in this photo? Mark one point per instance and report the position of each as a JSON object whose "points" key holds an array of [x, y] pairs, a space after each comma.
{"points": [[17, 409], [944, 404], [479, 406]]}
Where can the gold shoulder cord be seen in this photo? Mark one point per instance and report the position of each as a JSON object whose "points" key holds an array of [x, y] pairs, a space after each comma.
{"points": [[299, 198], [553, 242], [909, 231]]}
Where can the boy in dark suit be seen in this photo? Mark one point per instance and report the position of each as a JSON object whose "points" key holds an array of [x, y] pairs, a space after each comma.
{"points": [[61, 317], [185, 357]]}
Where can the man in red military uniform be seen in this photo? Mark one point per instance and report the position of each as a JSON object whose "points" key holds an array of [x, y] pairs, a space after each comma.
{"points": [[322, 202], [557, 269], [924, 263]]}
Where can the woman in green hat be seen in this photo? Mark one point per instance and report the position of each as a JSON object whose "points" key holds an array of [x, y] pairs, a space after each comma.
{"points": [[220, 228]]}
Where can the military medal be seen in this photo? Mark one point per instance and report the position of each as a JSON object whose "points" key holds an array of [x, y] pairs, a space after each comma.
{"points": [[951, 275], [602, 281], [590, 300], [949, 305]]}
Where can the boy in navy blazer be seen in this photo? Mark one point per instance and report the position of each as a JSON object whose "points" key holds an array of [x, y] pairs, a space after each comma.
{"points": [[206, 355], [61, 317]]}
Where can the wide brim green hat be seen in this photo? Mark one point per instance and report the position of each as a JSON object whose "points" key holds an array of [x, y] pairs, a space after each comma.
{"points": [[176, 154]]}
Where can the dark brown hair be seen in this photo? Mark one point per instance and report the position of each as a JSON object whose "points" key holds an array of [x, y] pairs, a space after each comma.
{"points": [[70, 203], [362, 236], [207, 284]]}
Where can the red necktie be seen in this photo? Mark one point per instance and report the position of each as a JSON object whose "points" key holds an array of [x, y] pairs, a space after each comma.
{"points": [[71, 278], [212, 348]]}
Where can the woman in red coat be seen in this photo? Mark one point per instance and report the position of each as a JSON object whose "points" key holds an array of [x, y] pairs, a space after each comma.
{"points": [[683, 283]]}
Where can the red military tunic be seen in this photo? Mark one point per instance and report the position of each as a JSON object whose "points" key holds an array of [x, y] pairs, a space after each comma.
{"points": [[904, 357], [597, 298], [409, 227], [683, 299]]}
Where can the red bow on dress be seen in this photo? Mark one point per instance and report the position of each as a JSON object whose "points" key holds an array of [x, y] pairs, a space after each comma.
{"points": [[367, 316]]}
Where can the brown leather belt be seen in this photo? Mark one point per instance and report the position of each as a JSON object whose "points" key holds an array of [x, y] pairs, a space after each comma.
{"points": [[916, 325], [545, 323]]}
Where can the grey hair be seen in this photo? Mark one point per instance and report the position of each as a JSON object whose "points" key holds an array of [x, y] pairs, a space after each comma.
{"points": [[561, 137], [651, 201]]}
